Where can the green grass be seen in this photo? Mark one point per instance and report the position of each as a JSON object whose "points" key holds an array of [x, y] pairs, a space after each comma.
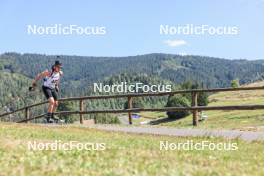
{"points": [[242, 120], [125, 154]]}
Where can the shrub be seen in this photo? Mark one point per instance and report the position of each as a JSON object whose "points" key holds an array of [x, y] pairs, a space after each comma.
{"points": [[178, 101], [67, 106], [202, 98], [235, 83]]}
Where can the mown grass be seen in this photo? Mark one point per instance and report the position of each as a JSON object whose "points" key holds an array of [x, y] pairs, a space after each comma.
{"points": [[243, 120], [125, 154]]}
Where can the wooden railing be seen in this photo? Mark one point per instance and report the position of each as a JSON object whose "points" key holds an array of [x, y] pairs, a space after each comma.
{"points": [[194, 108]]}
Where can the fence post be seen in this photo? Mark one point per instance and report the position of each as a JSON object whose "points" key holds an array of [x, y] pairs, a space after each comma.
{"points": [[81, 109], [129, 104], [27, 114], [195, 112]]}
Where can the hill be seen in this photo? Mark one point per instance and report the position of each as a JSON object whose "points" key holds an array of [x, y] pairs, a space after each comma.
{"points": [[81, 71], [243, 120], [14, 94]]}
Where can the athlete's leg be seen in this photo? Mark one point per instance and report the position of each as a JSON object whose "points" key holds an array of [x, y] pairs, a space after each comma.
{"points": [[50, 108], [53, 111], [56, 103], [48, 94], [51, 104]]}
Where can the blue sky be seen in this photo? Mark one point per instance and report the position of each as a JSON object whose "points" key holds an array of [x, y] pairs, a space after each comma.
{"points": [[133, 27]]}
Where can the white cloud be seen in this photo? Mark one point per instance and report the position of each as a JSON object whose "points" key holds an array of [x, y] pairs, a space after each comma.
{"points": [[175, 43], [183, 54]]}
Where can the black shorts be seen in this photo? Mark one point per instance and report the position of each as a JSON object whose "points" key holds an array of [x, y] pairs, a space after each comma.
{"points": [[48, 92]]}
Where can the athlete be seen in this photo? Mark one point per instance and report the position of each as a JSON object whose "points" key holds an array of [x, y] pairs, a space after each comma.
{"points": [[50, 88]]}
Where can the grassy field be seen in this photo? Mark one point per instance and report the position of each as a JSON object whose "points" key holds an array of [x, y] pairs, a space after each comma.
{"points": [[125, 154], [243, 120]]}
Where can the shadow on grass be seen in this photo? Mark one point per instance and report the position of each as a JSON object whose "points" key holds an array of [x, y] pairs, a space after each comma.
{"points": [[164, 120]]}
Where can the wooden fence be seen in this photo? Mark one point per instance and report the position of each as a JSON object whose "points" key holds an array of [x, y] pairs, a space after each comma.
{"points": [[194, 106]]}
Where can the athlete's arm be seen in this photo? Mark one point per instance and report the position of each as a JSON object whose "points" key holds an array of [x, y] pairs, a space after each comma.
{"points": [[39, 76]]}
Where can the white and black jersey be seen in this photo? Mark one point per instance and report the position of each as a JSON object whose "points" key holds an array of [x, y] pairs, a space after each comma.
{"points": [[53, 80]]}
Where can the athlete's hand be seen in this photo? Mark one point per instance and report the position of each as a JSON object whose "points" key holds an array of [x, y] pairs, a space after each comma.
{"points": [[32, 88], [34, 84]]}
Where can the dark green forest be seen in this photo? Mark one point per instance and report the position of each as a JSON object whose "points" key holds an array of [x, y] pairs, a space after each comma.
{"points": [[80, 72]]}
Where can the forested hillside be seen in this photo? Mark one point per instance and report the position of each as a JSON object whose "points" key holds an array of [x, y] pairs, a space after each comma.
{"points": [[17, 71], [14, 93], [80, 72]]}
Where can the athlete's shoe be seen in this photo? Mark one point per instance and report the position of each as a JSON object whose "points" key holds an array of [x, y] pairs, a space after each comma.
{"points": [[55, 118], [50, 118]]}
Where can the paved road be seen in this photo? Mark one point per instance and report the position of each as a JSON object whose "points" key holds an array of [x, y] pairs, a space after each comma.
{"points": [[230, 134]]}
